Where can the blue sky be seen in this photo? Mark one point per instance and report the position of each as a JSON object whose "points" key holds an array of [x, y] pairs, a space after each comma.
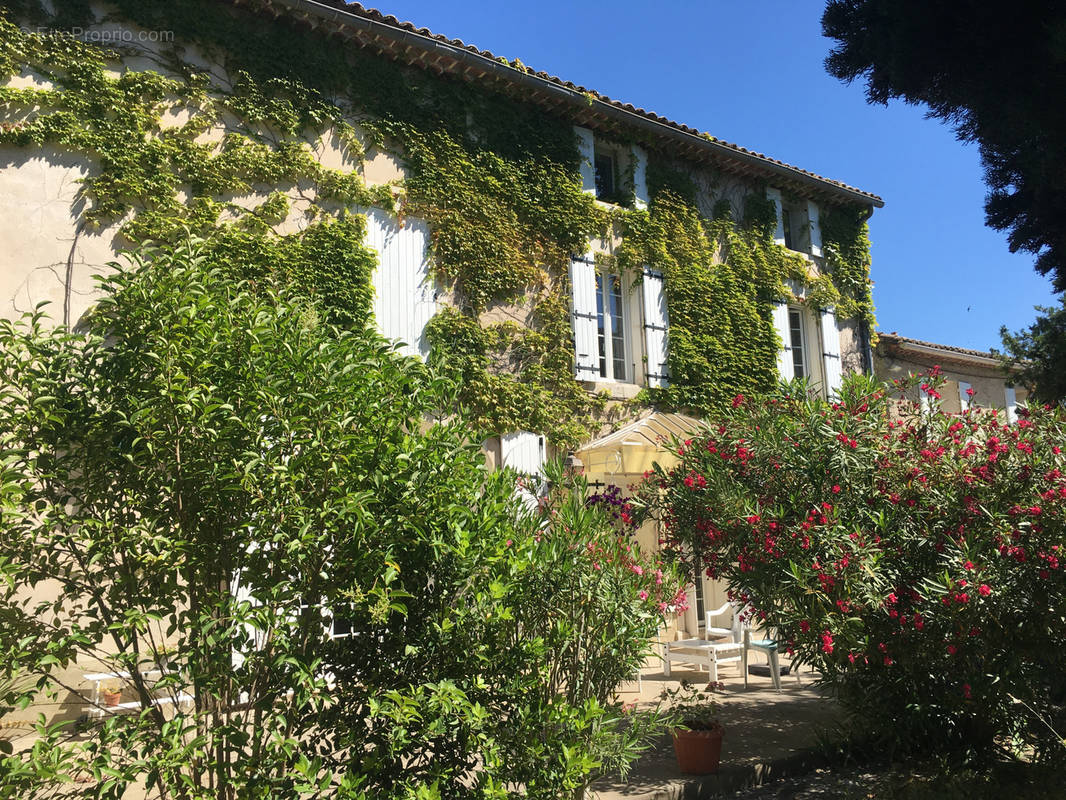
{"points": [[750, 72]]}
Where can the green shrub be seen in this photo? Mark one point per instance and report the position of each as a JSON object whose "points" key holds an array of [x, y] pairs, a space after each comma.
{"points": [[212, 471]]}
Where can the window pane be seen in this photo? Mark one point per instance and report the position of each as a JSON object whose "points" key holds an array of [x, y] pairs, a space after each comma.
{"points": [[341, 627], [604, 176], [786, 221], [799, 360], [618, 347], [600, 326]]}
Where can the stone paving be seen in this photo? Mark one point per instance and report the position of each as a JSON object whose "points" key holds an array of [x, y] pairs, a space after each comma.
{"points": [[767, 735]]}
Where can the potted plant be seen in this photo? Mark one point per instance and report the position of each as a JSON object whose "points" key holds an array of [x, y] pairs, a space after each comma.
{"points": [[111, 695], [697, 731]]}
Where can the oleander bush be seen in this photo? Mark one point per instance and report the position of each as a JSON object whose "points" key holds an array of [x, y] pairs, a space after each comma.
{"points": [[913, 557]]}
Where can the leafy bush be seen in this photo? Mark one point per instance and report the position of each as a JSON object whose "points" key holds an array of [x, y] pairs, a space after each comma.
{"points": [[915, 558], [213, 481]]}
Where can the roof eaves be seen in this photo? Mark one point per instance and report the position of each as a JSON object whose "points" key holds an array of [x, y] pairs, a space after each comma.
{"points": [[355, 17], [947, 351]]}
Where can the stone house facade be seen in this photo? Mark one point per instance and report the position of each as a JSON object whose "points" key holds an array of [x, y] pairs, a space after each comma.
{"points": [[540, 219], [972, 377]]}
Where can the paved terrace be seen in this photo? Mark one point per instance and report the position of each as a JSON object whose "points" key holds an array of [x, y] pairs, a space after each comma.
{"points": [[767, 734]]}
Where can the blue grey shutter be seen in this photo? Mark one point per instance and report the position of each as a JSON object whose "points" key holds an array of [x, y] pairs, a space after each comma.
{"points": [[964, 398], [525, 453]]}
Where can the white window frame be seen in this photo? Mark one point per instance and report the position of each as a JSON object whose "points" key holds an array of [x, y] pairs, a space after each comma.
{"points": [[609, 153], [803, 231], [607, 356], [589, 145], [925, 401], [803, 349], [964, 399]]}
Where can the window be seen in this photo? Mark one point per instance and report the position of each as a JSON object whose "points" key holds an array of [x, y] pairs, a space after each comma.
{"points": [[610, 326], [605, 172], [342, 628], [798, 225], [786, 226], [810, 346], [608, 312], [965, 395], [796, 339], [611, 171]]}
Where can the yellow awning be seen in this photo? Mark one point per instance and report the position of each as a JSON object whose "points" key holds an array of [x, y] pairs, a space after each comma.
{"points": [[633, 449]]}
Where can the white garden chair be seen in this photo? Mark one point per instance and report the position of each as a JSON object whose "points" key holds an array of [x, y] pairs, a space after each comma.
{"points": [[733, 633]]}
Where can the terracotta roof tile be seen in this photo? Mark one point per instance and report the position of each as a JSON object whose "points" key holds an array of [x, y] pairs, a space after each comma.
{"points": [[373, 14], [896, 338]]}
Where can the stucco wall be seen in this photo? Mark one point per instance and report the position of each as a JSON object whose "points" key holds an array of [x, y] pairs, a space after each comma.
{"points": [[49, 256], [851, 345], [989, 383]]}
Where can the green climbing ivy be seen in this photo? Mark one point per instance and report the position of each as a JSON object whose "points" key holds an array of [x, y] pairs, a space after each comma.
{"points": [[497, 180], [846, 245], [722, 277]]}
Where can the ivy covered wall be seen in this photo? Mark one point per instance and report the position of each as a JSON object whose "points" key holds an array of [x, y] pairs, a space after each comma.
{"points": [[220, 132]]}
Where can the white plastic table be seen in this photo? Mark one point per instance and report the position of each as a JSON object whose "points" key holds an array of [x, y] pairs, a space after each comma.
{"points": [[702, 653]]}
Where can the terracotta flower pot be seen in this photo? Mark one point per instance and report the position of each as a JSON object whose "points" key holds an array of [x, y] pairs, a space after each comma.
{"points": [[698, 752], [111, 699]]}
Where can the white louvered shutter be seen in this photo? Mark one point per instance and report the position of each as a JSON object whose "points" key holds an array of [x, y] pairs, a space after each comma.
{"points": [[656, 323], [583, 309], [1011, 398], [785, 365], [774, 196], [964, 398], [404, 295], [242, 594], [523, 452], [640, 178], [832, 369], [586, 143], [814, 228]]}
